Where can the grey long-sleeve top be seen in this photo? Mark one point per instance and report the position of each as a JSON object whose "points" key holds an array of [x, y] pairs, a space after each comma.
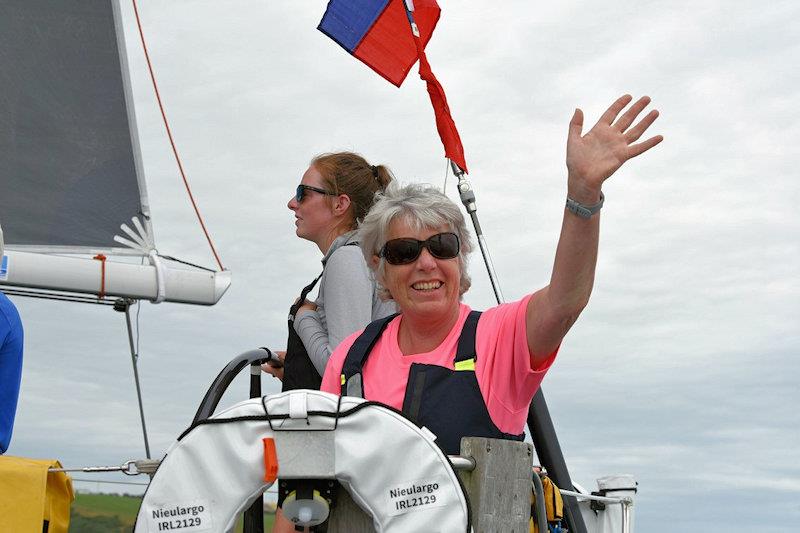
{"points": [[347, 302]]}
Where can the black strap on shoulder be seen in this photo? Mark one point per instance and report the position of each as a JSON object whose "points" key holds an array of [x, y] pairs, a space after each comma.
{"points": [[359, 351], [302, 298], [310, 286], [466, 341]]}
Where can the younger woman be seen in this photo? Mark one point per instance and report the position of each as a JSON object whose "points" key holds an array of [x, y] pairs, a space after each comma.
{"points": [[335, 193]]}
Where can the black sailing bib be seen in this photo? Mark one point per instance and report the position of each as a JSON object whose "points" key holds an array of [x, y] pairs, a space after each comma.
{"points": [[298, 370], [447, 402]]}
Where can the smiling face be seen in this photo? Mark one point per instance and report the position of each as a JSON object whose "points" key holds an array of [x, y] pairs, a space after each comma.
{"points": [[427, 288], [316, 217]]}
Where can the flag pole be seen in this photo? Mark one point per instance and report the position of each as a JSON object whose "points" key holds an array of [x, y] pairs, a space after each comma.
{"points": [[467, 195]]}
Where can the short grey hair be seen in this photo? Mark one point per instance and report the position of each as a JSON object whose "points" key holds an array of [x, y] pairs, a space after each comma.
{"points": [[421, 206]]}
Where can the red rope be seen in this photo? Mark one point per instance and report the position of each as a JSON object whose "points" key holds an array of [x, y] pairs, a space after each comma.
{"points": [[171, 140], [102, 259]]}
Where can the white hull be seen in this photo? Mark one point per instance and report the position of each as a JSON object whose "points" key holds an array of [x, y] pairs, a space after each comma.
{"points": [[85, 276]]}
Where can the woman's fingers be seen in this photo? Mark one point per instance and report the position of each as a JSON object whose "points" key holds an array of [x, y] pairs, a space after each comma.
{"points": [[630, 115], [612, 112], [642, 147], [634, 133], [273, 371]]}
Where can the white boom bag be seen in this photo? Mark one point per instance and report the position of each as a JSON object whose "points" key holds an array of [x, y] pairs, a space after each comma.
{"points": [[392, 469]]}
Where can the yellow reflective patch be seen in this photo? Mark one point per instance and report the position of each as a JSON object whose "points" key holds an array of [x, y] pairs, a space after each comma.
{"points": [[343, 380], [469, 364]]}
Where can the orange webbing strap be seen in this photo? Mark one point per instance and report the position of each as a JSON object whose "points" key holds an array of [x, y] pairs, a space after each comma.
{"points": [[102, 259], [270, 460]]}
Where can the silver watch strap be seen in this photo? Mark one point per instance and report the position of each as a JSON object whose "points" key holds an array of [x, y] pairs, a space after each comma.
{"points": [[584, 211]]}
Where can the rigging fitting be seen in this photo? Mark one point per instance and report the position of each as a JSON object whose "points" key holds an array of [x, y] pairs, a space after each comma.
{"points": [[467, 196], [129, 468], [123, 305]]}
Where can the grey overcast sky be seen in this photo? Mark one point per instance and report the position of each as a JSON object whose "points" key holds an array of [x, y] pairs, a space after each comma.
{"points": [[682, 370]]}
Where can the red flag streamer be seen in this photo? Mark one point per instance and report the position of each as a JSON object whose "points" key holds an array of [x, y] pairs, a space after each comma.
{"points": [[453, 149]]}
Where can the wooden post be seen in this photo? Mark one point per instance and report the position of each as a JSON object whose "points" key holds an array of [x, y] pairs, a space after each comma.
{"points": [[348, 517], [499, 490]]}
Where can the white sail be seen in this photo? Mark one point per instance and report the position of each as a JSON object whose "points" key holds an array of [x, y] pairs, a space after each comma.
{"points": [[71, 175]]}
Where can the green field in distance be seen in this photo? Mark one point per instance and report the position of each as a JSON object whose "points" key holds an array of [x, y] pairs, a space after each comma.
{"points": [[113, 513]]}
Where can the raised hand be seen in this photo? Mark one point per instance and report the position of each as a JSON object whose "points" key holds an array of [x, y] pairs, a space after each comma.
{"points": [[594, 157]]}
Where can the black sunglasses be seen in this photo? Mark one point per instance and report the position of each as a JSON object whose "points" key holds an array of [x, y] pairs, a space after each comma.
{"points": [[407, 250], [300, 192]]}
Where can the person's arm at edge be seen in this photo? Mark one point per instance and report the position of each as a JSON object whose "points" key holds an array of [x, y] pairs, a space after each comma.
{"points": [[591, 159], [11, 348]]}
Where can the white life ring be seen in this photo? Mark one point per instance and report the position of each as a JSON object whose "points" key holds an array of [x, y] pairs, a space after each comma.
{"points": [[392, 468]]}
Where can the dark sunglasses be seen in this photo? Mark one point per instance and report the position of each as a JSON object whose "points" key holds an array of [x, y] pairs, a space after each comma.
{"points": [[300, 192], [404, 251]]}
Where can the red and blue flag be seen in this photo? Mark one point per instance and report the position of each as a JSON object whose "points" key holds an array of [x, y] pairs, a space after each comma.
{"points": [[389, 36]]}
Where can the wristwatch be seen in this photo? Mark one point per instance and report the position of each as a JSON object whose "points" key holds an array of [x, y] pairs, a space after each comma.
{"points": [[584, 211]]}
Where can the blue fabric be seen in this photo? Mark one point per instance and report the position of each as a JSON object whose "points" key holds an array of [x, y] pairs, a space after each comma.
{"points": [[10, 367], [347, 21]]}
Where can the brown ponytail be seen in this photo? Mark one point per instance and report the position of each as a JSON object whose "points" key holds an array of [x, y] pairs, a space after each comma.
{"points": [[349, 173]]}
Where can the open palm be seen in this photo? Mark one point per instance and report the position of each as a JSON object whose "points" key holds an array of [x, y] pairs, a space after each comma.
{"points": [[593, 157]]}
